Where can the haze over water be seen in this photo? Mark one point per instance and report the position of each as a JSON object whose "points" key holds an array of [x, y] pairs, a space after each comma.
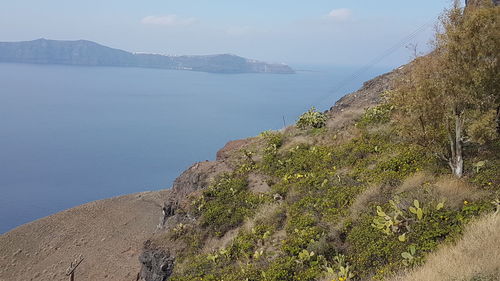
{"points": [[70, 135]]}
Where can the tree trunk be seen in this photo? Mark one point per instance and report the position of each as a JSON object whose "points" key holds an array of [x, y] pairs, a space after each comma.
{"points": [[456, 161]]}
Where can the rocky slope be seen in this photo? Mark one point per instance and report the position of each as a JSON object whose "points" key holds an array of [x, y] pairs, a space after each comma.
{"points": [[353, 105], [87, 53]]}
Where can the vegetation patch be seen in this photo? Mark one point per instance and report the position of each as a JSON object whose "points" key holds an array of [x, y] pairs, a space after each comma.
{"points": [[403, 153], [311, 119], [226, 203]]}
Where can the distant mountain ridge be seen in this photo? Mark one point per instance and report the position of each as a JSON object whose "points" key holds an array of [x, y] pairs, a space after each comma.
{"points": [[88, 53]]}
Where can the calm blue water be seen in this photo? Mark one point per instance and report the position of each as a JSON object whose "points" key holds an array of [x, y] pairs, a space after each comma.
{"points": [[70, 135]]}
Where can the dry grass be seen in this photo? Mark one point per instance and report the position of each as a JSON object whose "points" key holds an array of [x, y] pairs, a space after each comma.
{"points": [[474, 257], [265, 212], [361, 203], [449, 189], [213, 243], [345, 118], [297, 140], [456, 191], [257, 183], [414, 182]]}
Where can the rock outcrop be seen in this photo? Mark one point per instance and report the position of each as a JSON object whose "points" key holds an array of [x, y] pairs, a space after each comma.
{"points": [[157, 265], [157, 262]]}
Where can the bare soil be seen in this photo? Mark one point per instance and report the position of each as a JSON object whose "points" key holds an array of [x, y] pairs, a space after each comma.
{"points": [[109, 234]]}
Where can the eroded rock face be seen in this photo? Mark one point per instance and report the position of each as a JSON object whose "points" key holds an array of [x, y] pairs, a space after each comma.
{"points": [[225, 153], [196, 177], [157, 261], [157, 265], [347, 109]]}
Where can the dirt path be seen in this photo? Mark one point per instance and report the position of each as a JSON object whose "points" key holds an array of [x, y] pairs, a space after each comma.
{"points": [[108, 233]]}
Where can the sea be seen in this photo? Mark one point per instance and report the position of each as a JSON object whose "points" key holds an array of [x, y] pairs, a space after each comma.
{"points": [[70, 135]]}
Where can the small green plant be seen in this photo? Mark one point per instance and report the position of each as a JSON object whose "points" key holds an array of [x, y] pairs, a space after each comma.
{"points": [[439, 206], [479, 165], [213, 257], [342, 270], [409, 256], [311, 119], [257, 254], [273, 139], [305, 255], [389, 224], [419, 212], [179, 230], [339, 272]]}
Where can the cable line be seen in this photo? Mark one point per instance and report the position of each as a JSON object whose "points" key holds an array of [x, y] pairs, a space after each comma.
{"points": [[343, 83]]}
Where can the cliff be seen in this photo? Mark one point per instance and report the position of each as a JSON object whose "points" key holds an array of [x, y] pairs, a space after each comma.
{"points": [[87, 53]]}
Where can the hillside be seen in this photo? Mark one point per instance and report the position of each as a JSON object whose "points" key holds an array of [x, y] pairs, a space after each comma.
{"points": [[87, 53], [109, 234], [398, 181], [300, 204]]}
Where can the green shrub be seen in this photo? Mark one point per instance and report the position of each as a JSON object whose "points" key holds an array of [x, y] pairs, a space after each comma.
{"points": [[301, 160], [225, 204], [359, 150], [312, 226], [409, 159], [381, 252], [370, 250], [482, 128], [486, 175], [376, 115], [282, 269], [311, 119], [245, 243], [273, 141]]}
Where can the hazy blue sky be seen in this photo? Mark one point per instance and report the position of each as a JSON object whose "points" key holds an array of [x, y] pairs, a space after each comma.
{"points": [[293, 31]]}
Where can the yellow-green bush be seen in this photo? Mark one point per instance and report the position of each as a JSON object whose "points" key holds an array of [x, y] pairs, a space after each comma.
{"points": [[226, 203], [311, 119]]}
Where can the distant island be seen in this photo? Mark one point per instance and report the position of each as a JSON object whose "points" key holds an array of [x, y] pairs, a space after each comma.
{"points": [[88, 53]]}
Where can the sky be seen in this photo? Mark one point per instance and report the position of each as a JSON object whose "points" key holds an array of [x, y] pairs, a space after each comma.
{"points": [[343, 32]]}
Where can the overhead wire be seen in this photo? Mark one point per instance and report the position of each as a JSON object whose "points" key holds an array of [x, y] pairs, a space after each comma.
{"points": [[357, 74]]}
